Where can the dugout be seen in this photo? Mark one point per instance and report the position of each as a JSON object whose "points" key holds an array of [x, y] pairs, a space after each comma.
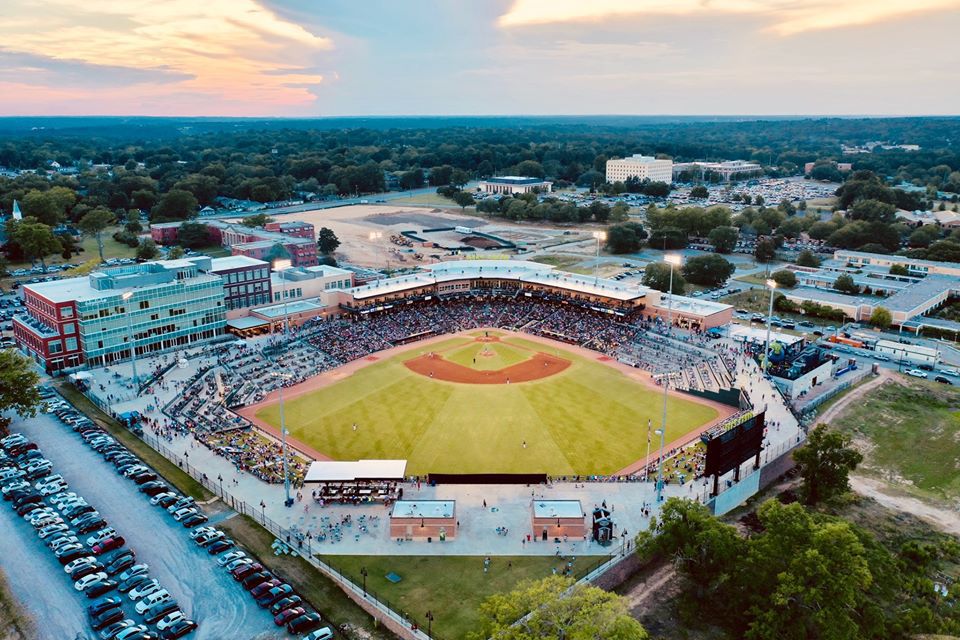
{"points": [[424, 520], [356, 482], [554, 519]]}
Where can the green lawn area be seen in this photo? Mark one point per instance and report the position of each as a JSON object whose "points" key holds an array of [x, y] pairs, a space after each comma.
{"points": [[451, 587], [758, 301], [753, 278], [913, 431], [587, 419]]}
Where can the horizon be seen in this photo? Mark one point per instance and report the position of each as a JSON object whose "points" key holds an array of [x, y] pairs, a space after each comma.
{"points": [[505, 58]]}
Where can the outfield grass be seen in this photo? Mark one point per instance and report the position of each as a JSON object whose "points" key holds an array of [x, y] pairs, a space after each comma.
{"points": [[913, 429], [587, 419], [451, 587]]}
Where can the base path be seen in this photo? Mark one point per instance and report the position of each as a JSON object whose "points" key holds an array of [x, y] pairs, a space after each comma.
{"points": [[539, 366]]}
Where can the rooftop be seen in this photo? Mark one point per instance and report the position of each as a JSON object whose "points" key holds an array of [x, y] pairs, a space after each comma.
{"points": [[826, 296], [895, 259], [423, 509], [557, 509], [235, 262], [346, 471], [921, 292], [289, 308], [515, 180]]}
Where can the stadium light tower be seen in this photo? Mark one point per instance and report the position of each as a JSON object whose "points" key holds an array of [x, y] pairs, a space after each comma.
{"points": [[288, 501], [766, 348], [125, 296], [599, 236], [280, 266], [673, 259]]}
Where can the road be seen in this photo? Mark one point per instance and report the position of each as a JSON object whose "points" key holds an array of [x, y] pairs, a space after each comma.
{"points": [[205, 592]]}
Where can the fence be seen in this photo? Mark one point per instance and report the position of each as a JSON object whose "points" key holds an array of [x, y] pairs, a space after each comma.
{"points": [[806, 412]]}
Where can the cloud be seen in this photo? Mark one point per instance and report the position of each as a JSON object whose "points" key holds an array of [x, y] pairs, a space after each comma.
{"points": [[222, 51], [783, 17]]}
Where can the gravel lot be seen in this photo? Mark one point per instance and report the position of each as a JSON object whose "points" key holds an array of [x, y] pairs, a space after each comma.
{"points": [[204, 591]]}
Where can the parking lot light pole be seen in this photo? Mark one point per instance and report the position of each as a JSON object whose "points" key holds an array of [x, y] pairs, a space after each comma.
{"points": [[125, 296], [662, 433], [600, 236], [766, 349], [288, 501], [363, 572]]}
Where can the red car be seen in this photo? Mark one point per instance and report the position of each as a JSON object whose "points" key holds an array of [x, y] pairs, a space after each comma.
{"points": [[108, 545], [245, 570], [263, 587], [287, 615]]}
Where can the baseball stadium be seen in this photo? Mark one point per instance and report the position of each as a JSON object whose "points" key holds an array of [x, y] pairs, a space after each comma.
{"points": [[499, 367]]}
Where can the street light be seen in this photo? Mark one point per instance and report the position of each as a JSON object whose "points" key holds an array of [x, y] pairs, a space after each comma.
{"points": [[429, 618], [288, 502], [600, 236], [662, 434], [125, 296], [766, 349], [363, 572]]}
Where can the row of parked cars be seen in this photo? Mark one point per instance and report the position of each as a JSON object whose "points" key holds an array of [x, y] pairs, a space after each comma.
{"points": [[267, 589], [108, 567]]}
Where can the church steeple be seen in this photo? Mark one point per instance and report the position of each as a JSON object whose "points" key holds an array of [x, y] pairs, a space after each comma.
{"points": [[17, 214]]}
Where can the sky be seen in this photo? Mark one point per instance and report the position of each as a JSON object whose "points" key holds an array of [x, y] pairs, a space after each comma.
{"points": [[308, 58]]}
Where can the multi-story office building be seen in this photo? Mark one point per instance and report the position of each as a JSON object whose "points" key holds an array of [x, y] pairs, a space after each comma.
{"points": [[641, 167], [156, 305], [297, 239], [246, 282], [728, 170]]}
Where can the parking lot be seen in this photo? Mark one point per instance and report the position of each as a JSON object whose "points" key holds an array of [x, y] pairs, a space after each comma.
{"points": [[205, 592]]}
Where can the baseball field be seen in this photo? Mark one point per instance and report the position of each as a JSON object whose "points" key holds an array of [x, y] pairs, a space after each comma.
{"points": [[487, 402]]}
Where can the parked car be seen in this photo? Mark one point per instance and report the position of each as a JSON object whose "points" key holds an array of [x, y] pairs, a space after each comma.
{"points": [[324, 633], [178, 629], [306, 622], [287, 615], [100, 588], [108, 545], [943, 380], [916, 373], [104, 618]]}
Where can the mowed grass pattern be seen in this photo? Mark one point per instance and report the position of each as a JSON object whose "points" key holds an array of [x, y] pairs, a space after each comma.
{"points": [[588, 419], [487, 356]]}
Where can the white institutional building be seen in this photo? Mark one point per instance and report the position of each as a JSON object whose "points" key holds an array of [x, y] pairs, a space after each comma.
{"points": [[642, 167], [510, 185]]}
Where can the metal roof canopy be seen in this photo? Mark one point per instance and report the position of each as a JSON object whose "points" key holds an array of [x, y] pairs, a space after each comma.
{"points": [[351, 471]]}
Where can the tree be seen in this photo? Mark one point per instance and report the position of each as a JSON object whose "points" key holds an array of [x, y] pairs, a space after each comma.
{"points": [[924, 236], [530, 168], [412, 179], [845, 284], [699, 191], [766, 250], [881, 318], [619, 212], [35, 239], [464, 199], [94, 222], [18, 387], [657, 276], [176, 204], [709, 270], [193, 235], [625, 238], [459, 177], [175, 253], [49, 207], [554, 609], [873, 211], [724, 238], [277, 252], [808, 259], [785, 278], [257, 220], [132, 222], [825, 462], [899, 270], [327, 241], [68, 246], [147, 250]]}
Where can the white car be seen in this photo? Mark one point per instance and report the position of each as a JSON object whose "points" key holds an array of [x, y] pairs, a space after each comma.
{"points": [[230, 556], [70, 566], [169, 619], [63, 498], [186, 511], [16, 485], [56, 543], [199, 531], [320, 634], [132, 630], [147, 601], [155, 500], [86, 581], [916, 373], [145, 589], [103, 534], [53, 487], [39, 514], [47, 480], [135, 570], [950, 371]]}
